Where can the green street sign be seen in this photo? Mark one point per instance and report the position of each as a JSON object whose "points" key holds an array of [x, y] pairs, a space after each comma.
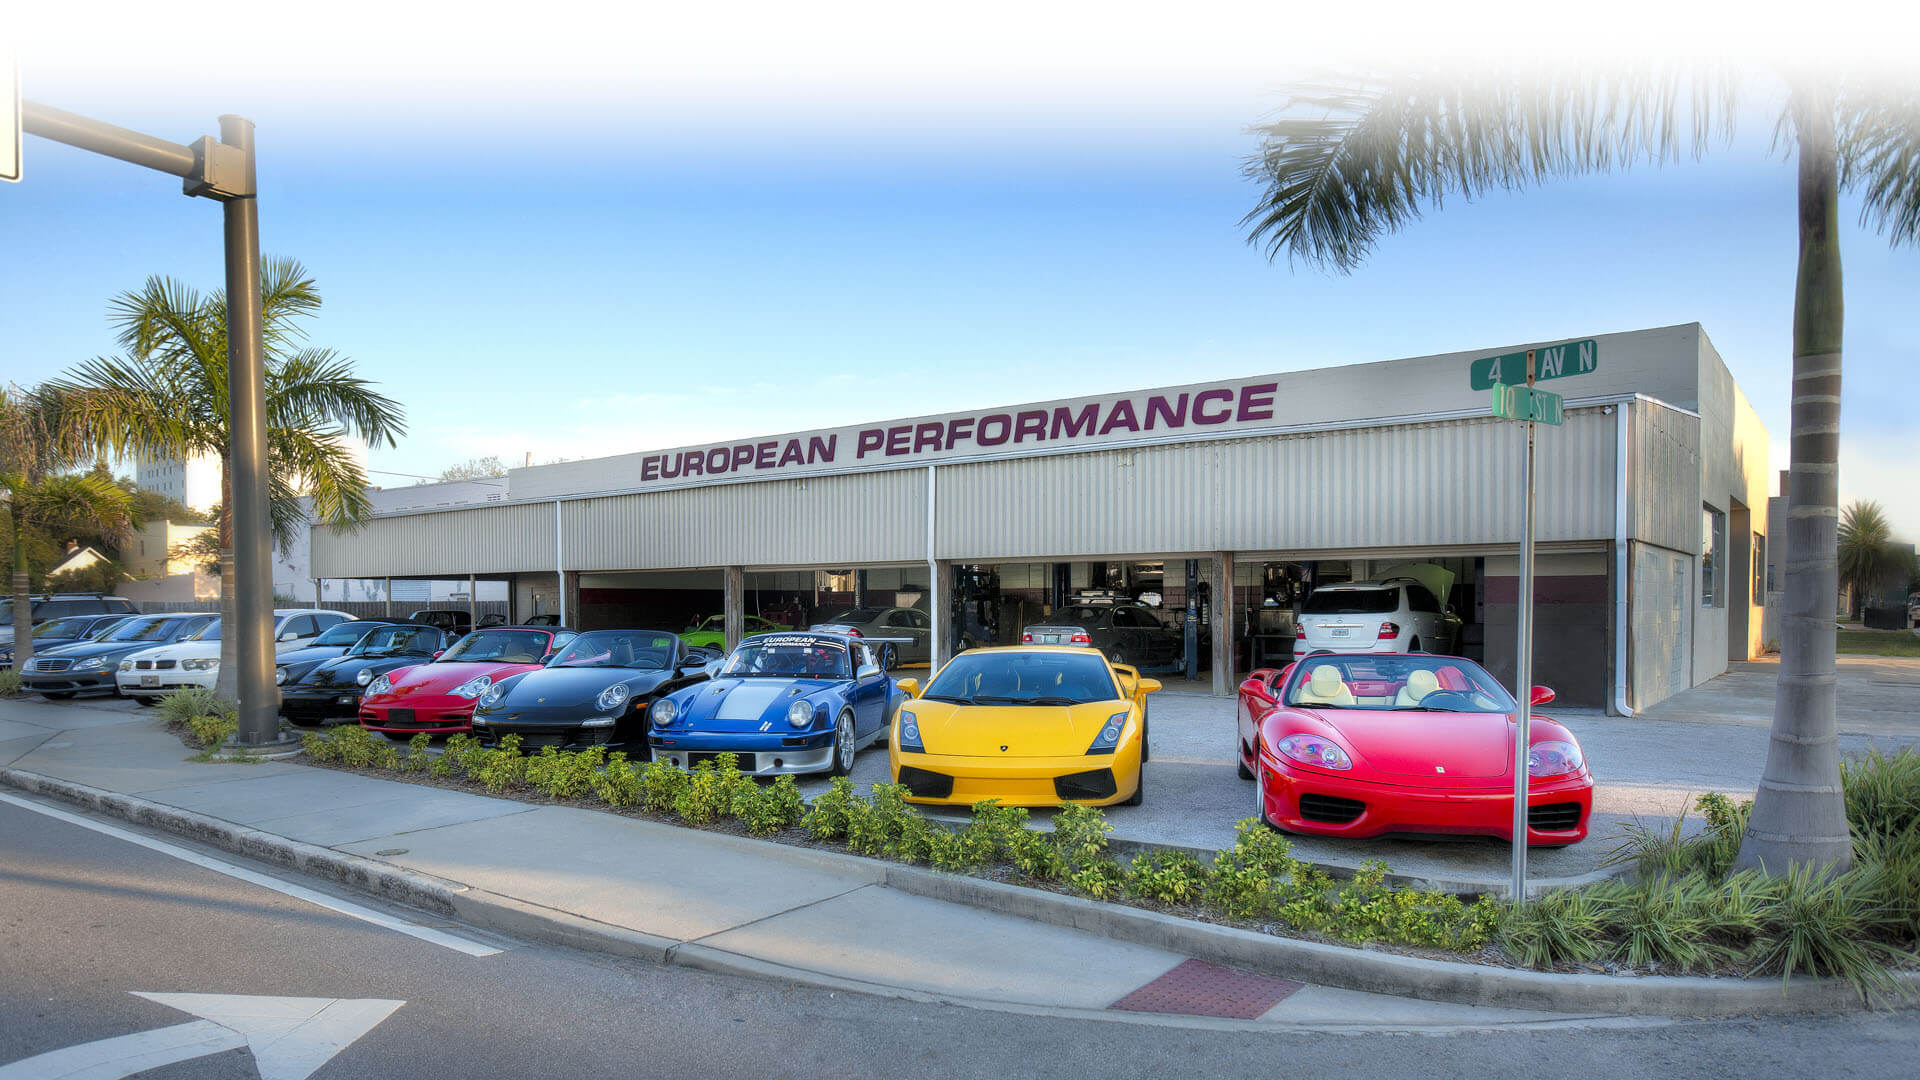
{"points": [[1526, 403], [1551, 362]]}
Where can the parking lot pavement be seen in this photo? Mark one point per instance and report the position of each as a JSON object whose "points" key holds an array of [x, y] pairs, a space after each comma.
{"points": [[1646, 768]]}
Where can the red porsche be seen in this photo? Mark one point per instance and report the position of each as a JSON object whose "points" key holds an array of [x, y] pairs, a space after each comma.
{"points": [[438, 698], [1365, 745]]}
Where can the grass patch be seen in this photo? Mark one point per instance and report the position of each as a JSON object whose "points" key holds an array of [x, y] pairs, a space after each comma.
{"points": [[1878, 642], [10, 683]]}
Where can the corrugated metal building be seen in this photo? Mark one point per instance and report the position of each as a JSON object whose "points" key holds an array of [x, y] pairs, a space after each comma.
{"points": [[1243, 490]]}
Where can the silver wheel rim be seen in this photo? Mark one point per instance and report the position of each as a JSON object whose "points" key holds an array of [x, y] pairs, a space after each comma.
{"points": [[844, 739]]}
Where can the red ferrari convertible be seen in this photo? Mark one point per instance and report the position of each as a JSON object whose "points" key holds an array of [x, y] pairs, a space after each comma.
{"points": [[1365, 745], [438, 697]]}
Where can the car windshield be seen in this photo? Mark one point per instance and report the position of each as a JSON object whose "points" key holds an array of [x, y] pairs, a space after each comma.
{"points": [[1352, 602], [72, 626], [642, 650], [1395, 683], [345, 633], [858, 615], [398, 640], [790, 656], [1080, 615], [1024, 678], [502, 646], [152, 628], [209, 632]]}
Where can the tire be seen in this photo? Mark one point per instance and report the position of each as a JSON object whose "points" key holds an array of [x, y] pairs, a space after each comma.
{"points": [[1413, 645], [1146, 746], [844, 745], [1240, 763], [889, 657], [1139, 790], [1119, 656]]}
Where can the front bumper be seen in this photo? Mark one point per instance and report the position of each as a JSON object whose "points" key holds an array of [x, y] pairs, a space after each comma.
{"points": [[443, 719], [563, 735], [334, 703], [1312, 802], [1358, 645], [156, 683], [1089, 779], [758, 755], [67, 682]]}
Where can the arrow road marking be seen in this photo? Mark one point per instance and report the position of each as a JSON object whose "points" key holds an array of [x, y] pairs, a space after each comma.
{"points": [[290, 1037], [298, 892]]}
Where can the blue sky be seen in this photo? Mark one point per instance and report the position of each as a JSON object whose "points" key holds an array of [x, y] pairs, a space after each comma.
{"points": [[597, 264]]}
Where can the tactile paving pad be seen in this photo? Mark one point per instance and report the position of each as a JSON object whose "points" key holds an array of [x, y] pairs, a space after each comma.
{"points": [[1197, 988]]}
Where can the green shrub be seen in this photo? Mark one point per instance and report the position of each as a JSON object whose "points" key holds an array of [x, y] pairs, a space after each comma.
{"points": [[1664, 920], [832, 811], [1080, 832], [663, 783], [1883, 793], [1820, 923], [179, 708], [564, 774], [879, 821], [211, 731], [1560, 927], [457, 757], [356, 746], [709, 793], [11, 684], [1101, 879], [618, 783], [1258, 876], [1037, 856], [417, 756], [995, 832], [500, 768], [318, 746], [1169, 877], [770, 808]]}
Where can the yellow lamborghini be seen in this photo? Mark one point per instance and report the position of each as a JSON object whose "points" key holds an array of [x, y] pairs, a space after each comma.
{"points": [[1028, 725]]}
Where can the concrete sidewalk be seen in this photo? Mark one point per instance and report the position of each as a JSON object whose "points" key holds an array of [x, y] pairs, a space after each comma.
{"points": [[719, 901]]}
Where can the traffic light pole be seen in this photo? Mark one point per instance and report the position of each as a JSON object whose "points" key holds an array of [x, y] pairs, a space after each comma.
{"points": [[222, 171]]}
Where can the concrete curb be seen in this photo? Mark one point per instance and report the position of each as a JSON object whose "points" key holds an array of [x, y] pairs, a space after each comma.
{"points": [[1327, 965]]}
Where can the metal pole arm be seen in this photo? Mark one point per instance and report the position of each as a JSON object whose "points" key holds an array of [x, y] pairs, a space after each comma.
{"points": [[103, 138]]}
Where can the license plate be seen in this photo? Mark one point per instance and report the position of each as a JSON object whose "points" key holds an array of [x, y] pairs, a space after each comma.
{"points": [[1337, 633], [1051, 639], [149, 680]]}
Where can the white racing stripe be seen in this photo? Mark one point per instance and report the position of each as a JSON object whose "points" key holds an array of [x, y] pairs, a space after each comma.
{"points": [[298, 892]]}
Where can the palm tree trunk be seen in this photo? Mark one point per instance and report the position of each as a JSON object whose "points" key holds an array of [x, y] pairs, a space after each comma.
{"points": [[1800, 813], [227, 684], [22, 605]]}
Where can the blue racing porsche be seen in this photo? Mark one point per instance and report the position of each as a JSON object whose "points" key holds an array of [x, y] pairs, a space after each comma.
{"points": [[790, 702]]}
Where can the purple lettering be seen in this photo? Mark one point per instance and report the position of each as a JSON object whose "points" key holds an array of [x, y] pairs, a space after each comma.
{"points": [[693, 465], [792, 454], [650, 468], [1256, 401], [819, 449], [1175, 415], [719, 459], [1200, 416], [1006, 426], [1121, 415], [960, 427], [763, 455], [897, 439], [664, 474], [1032, 423], [741, 455], [870, 439], [927, 437], [1067, 424]]}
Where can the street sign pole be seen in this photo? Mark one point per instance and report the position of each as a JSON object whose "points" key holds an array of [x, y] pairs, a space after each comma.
{"points": [[1523, 667]]}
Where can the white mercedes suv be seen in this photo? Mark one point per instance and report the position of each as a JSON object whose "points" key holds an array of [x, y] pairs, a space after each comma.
{"points": [[1390, 615], [151, 674]]}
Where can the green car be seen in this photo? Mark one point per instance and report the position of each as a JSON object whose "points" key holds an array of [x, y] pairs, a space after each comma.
{"points": [[711, 632]]}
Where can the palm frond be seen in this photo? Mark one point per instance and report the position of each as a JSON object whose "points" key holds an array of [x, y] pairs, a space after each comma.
{"points": [[1879, 133], [317, 387], [317, 465], [1349, 161]]}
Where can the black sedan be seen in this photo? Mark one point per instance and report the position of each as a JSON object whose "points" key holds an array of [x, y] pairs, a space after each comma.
{"points": [[67, 630], [1127, 633], [595, 692], [90, 666], [334, 641], [332, 689]]}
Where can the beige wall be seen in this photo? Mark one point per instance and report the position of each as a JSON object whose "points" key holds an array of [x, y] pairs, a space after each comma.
{"points": [[1734, 475]]}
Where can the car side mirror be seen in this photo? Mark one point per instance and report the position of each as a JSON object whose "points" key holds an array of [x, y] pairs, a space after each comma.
{"points": [[289, 636], [1542, 695], [1148, 686], [911, 686], [866, 671], [1257, 689], [437, 655]]}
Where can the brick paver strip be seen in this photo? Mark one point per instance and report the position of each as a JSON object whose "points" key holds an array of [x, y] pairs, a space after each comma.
{"points": [[1197, 988]]}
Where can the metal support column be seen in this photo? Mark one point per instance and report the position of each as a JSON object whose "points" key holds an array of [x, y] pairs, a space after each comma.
{"points": [[388, 597], [734, 605], [473, 601], [1191, 623], [1523, 666], [859, 588], [1221, 624]]}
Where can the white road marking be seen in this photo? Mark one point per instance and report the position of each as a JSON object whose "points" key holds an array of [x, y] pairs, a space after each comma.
{"points": [[344, 907], [289, 1037]]}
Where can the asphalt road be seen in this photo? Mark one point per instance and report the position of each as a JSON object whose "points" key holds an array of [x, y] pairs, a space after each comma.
{"points": [[86, 920]]}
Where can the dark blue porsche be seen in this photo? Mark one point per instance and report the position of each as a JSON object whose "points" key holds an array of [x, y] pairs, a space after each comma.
{"points": [[783, 703]]}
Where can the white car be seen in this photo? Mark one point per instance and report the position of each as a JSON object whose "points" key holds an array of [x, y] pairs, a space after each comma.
{"points": [[1394, 614], [151, 674]]}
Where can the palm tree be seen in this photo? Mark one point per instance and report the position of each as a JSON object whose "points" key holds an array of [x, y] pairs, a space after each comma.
{"points": [[167, 398], [1346, 163], [1867, 555], [36, 442]]}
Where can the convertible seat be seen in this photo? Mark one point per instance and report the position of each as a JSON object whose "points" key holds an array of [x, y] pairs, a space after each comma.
{"points": [[1324, 687], [1420, 683]]}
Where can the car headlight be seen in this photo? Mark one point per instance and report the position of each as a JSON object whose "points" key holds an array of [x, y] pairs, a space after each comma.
{"points": [[493, 697], [279, 676], [1109, 737], [91, 662], [1554, 757], [199, 664], [800, 713], [365, 677], [126, 665], [612, 697], [909, 739], [1314, 750], [473, 687], [664, 712], [379, 686]]}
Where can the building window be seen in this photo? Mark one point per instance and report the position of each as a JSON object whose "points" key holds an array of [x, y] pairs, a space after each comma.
{"points": [[1713, 557], [1759, 569]]}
